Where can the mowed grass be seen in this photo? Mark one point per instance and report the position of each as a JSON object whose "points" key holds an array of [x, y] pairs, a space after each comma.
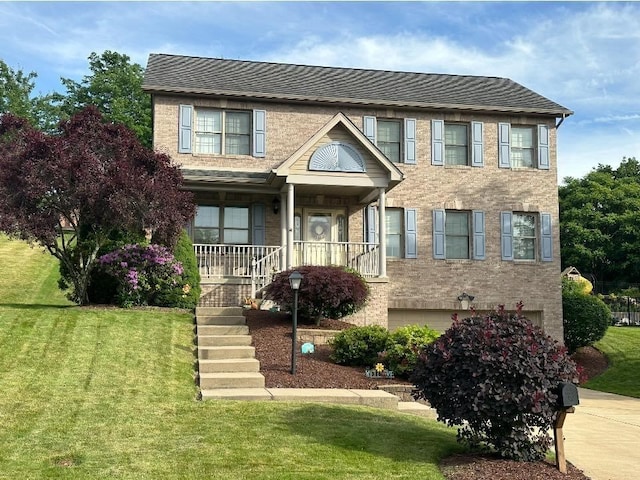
{"points": [[95, 393], [621, 345]]}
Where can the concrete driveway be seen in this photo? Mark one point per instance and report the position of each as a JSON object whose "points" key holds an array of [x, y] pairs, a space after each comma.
{"points": [[602, 437]]}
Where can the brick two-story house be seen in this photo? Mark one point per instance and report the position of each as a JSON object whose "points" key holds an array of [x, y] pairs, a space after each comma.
{"points": [[430, 185]]}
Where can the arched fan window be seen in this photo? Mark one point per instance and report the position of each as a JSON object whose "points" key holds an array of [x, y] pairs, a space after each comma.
{"points": [[337, 157]]}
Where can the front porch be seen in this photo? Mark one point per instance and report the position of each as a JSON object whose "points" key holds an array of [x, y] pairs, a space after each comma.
{"points": [[256, 264]]}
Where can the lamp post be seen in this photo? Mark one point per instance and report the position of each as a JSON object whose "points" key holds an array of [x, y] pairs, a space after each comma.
{"points": [[295, 279]]}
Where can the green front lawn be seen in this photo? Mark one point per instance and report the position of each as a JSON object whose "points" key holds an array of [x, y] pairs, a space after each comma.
{"points": [[621, 345], [107, 393]]}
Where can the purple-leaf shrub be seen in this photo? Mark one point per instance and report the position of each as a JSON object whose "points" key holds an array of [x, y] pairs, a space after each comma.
{"points": [[325, 291], [495, 377], [142, 272]]}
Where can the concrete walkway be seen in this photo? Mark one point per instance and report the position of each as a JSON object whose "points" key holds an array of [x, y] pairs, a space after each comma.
{"points": [[602, 438]]}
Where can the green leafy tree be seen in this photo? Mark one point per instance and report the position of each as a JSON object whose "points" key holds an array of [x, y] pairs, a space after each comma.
{"points": [[16, 97], [115, 88], [599, 218]]}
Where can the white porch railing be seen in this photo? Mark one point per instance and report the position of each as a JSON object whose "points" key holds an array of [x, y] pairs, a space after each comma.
{"points": [[259, 263], [362, 257]]}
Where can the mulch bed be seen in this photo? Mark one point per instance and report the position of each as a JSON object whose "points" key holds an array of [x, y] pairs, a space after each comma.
{"points": [[271, 333]]}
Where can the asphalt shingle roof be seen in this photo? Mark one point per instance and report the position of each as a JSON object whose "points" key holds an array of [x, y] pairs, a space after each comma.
{"points": [[286, 82]]}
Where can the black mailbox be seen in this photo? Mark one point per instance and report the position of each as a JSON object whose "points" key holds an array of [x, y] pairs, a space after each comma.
{"points": [[567, 395]]}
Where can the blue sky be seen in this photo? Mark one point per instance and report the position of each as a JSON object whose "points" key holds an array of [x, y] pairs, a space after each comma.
{"points": [[583, 55]]}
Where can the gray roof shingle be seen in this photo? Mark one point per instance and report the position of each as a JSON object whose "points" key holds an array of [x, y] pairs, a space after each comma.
{"points": [[286, 82]]}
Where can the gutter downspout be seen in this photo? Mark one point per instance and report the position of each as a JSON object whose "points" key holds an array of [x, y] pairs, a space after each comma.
{"points": [[564, 115]]}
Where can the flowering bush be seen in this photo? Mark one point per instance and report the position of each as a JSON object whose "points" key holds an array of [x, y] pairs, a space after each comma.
{"points": [[143, 273]]}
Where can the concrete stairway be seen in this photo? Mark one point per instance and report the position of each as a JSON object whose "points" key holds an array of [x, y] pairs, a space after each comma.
{"points": [[226, 359]]}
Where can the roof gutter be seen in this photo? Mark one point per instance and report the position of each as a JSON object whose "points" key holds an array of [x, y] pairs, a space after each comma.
{"points": [[564, 115]]}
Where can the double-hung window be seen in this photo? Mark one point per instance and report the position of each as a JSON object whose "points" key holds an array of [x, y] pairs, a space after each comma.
{"points": [[389, 139], [523, 146], [221, 225], [400, 228], [457, 143], [396, 138], [212, 131], [220, 131], [526, 236], [458, 234], [394, 230]]}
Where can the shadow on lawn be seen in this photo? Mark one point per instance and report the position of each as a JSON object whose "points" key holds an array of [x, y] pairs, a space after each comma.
{"points": [[375, 432]]}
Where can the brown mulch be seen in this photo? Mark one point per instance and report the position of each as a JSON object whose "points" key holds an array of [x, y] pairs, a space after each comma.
{"points": [[271, 333]]}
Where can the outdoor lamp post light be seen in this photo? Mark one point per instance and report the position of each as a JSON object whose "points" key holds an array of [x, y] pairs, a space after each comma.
{"points": [[295, 279]]}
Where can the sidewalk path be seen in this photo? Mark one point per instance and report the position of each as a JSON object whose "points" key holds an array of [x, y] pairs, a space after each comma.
{"points": [[602, 438]]}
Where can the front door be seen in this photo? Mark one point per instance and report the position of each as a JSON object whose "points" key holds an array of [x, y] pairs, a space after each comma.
{"points": [[323, 232]]}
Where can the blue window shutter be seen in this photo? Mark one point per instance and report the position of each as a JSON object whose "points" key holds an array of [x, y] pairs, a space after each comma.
{"points": [[185, 128], [410, 233], [504, 145], [437, 142], [259, 223], [370, 128], [410, 141], [477, 142], [478, 235], [439, 252], [506, 228], [545, 237], [543, 147], [259, 133], [370, 224]]}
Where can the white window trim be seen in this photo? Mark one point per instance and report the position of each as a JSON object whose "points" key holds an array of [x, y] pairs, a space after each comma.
{"points": [[222, 133]]}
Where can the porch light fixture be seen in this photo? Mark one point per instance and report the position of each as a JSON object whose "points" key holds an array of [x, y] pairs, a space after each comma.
{"points": [[276, 205], [465, 299], [295, 279]]}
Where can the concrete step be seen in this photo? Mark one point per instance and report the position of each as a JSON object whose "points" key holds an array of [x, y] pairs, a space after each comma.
{"points": [[208, 311], [229, 365], [220, 353], [220, 320], [235, 394], [224, 340], [223, 330], [231, 380]]}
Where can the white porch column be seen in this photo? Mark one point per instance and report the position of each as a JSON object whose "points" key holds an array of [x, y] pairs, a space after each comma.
{"points": [[382, 222], [283, 229], [290, 211]]}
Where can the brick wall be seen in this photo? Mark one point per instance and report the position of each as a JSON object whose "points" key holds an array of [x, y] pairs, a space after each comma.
{"points": [[422, 283]]}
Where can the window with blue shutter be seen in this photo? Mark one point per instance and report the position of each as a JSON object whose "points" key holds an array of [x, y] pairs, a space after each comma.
{"points": [[185, 127], [437, 142], [259, 133], [439, 252], [369, 124], [477, 144], [259, 224], [546, 240], [478, 235], [504, 145], [543, 147], [410, 233], [410, 141], [506, 231]]}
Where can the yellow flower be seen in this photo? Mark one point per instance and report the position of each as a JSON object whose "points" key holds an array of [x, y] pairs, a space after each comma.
{"points": [[186, 289], [379, 367]]}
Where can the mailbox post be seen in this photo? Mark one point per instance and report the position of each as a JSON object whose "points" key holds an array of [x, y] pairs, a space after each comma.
{"points": [[567, 400]]}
